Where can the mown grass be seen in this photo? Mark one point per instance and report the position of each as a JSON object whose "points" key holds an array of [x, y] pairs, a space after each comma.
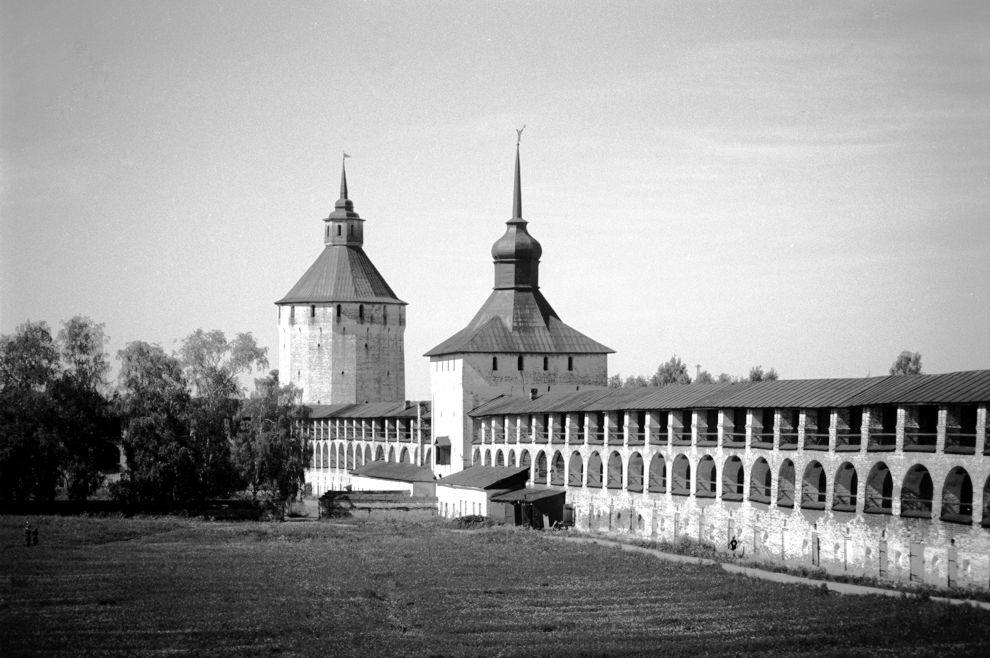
{"points": [[97, 586]]}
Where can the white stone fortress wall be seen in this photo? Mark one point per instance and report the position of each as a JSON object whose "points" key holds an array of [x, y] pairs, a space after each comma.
{"points": [[898, 505]]}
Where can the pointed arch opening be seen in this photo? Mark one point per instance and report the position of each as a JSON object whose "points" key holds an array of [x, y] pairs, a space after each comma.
{"points": [[813, 486], [379, 454], [488, 457], [499, 458], [391, 454], [540, 476], [846, 485], [879, 490], [785, 484], [957, 497], [705, 485], [511, 460], [614, 478], [917, 492], [350, 456], [760, 480], [595, 471], [476, 457], [524, 459], [680, 476], [733, 479], [557, 469], [658, 474], [575, 470], [404, 456], [635, 473]]}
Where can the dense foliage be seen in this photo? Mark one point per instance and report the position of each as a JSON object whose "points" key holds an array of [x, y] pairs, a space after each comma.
{"points": [[176, 417], [54, 410]]}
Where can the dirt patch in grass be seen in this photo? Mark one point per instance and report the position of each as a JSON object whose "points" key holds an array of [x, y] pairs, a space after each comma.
{"points": [[126, 586]]}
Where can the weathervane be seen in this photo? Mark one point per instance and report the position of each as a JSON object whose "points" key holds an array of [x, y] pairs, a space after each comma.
{"points": [[519, 134], [347, 156]]}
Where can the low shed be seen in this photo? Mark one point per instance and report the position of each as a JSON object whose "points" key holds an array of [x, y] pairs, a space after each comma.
{"points": [[468, 491], [540, 507], [389, 476]]}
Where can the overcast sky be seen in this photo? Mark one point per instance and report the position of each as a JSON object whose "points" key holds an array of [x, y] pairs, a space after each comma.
{"points": [[802, 186]]}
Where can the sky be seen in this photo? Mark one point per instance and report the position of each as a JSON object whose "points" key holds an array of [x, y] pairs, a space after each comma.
{"points": [[802, 186]]}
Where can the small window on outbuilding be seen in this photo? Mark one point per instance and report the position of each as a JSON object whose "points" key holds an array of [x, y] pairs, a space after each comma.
{"points": [[360, 312], [338, 312], [519, 362], [494, 363], [546, 363], [312, 310], [570, 363]]}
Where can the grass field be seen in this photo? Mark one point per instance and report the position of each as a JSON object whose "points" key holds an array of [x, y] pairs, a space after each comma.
{"points": [[168, 585]]}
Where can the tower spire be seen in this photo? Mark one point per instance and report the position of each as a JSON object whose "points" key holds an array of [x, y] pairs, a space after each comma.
{"points": [[517, 191], [343, 177], [344, 208]]}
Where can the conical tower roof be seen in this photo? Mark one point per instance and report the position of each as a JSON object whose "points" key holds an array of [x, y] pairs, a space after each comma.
{"points": [[342, 272]]}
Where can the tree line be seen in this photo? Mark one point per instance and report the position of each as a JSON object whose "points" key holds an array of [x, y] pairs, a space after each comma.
{"points": [[674, 371], [186, 427]]}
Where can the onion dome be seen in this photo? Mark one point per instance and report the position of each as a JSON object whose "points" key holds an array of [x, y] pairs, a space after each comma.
{"points": [[517, 253]]}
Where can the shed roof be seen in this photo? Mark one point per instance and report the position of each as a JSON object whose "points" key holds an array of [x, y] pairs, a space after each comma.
{"points": [[484, 477], [527, 495], [947, 388], [518, 321], [950, 388], [341, 273], [368, 410], [383, 470]]}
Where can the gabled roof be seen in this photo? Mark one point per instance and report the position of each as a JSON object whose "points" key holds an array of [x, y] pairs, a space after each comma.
{"points": [[341, 273], [518, 321], [486, 477], [392, 471]]}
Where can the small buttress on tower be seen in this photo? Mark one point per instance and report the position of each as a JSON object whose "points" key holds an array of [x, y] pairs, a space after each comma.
{"points": [[341, 327]]}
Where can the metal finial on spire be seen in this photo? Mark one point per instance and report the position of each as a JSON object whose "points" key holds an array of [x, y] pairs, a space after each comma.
{"points": [[343, 177], [517, 192]]}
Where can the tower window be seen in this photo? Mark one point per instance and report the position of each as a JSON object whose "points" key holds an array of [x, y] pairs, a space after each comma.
{"points": [[494, 363], [338, 230], [292, 313], [328, 232], [546, 363], [519, 362], [385, 314], [570, 363], [312, 310]]}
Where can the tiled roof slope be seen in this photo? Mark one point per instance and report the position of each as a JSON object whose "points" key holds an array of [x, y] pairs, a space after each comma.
{"points": [[367, 410], [341, 273], [392, 471], [484, 477], [950, 388], [518, 321]]}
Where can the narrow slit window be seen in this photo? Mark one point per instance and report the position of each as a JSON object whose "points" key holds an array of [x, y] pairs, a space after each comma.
{"points": [[546, 363], [570, 363], [312, 310], [519, 363], [494, 363]]}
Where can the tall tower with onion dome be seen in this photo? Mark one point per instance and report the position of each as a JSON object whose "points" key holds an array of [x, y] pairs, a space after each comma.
{"points": [[516, 344], [340, 328]]}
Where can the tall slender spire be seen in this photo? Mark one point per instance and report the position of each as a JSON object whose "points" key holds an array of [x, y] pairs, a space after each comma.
{"points": [[344, 208], [343, 178], [517, 192]]}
